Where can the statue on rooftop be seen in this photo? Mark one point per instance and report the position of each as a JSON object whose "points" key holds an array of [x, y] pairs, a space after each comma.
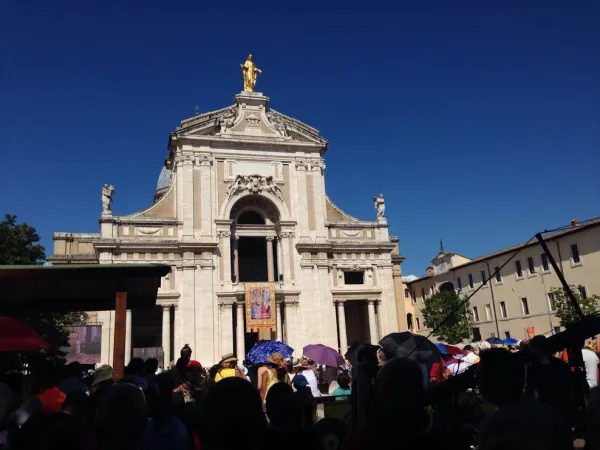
{"points": [[380, 206], [107, 193], [250, 72]]}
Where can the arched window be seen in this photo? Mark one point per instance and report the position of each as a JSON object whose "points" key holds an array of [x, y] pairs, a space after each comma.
{"points": [[250, 218], [409, 321], [447, 287]]}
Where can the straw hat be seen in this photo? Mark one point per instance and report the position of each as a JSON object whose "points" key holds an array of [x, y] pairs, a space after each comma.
{"points": [[276, 358], [229, 357]]}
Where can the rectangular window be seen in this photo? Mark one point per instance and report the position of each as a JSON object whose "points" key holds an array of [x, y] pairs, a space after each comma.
{"points": [[507, 335], [503, 310], [354, 277], [406, 294], [459, 283], [497, 272], [518, 268], [545, 266], [471, 281], [476, 334], [432, 290], [525, 306], [423, 293], [483, 277], [418, 323], [475, 314], [575, 253], [488, 312], [556, 330], [414, 296], [531, 265], [582, 292], [551, 301]]}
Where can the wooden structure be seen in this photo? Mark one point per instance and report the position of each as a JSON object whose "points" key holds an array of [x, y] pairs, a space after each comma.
{"points": [[89, 287]]}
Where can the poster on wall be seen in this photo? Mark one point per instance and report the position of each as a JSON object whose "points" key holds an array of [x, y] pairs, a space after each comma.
{"points": [[260, 307], [84, 344], [530, 332]]}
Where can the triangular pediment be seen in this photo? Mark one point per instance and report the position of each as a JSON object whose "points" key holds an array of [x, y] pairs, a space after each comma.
{"points": [[249, 118]]}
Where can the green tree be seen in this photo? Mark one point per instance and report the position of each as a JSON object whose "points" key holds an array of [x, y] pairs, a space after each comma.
{"points": [[20, 245], [448, 328], [564, 309]]}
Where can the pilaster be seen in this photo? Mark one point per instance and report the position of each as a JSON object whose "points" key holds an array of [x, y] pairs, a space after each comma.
{"points": [[301, 168]]}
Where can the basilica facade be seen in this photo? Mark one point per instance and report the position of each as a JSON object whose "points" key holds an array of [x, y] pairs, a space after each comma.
{"points": [[241, 199]]}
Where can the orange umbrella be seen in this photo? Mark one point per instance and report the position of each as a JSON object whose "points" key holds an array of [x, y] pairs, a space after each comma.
{"points": [[16, 336]]}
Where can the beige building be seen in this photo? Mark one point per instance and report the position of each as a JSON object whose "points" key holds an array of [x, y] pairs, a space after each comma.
{"points": [[241, 198], [518, 298]]}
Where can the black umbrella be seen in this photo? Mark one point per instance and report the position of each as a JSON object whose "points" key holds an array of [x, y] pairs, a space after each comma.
{"points": [[366, 351], [412, 346]]}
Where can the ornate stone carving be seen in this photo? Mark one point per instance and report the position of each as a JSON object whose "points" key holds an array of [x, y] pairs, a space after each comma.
{"points": [[380, 206], [228, 118], [253, 122], [254, 184], [108, 191], [148, 231], [275, 120], [287, 234], [204, 160], [224, 233]]}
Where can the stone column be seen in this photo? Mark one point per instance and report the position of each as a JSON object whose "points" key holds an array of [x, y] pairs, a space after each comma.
{"points": [[278, 306], [188, 197], [279, 268], [177, 335], [166, 335], [226, 312], [128, 337], [302, 201], [270, 263], [225, 244], [372, 323], [206, 203], [240, 331], [236, 259], [286, 269], [319, 196], [342, 327]]}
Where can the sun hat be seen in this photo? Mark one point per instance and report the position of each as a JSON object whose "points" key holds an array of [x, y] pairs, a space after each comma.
{"points": [[228, 357], [102, 373], [276, 358]]}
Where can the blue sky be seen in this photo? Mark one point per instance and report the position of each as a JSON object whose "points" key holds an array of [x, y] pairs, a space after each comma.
{"points": [[479, 121]]}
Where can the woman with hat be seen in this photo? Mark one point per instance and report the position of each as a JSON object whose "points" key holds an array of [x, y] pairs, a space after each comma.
{"points": [[270, 374], [228, 368]]}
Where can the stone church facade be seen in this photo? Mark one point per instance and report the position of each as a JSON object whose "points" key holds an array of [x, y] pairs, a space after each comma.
{"points": [[241, 198]]}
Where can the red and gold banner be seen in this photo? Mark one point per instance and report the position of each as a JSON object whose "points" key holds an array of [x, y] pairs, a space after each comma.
{"points": [[260, 307]]}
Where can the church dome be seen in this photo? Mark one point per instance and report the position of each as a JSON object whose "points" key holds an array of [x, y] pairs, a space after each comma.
{"points": [[163, 184]]}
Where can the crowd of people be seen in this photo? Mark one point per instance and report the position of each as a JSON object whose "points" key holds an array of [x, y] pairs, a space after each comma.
{"points": [[249, 406]]}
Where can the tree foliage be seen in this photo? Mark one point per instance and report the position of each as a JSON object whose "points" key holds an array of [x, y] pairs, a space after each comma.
{"points": [[20, 245], [452, 329], [564, 308]]}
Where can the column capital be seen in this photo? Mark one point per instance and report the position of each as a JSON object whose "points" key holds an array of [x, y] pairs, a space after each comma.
{"points": [[270, 238]]}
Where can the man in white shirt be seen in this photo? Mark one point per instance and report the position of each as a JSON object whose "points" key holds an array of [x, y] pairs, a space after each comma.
{"points": [[590, 360], [309, 373]]}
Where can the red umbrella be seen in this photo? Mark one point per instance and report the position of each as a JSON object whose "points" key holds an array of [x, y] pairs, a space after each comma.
{"points": [[453, 350], [16, 336]]}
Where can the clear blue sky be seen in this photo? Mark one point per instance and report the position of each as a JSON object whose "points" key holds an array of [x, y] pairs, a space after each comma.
{"points": [[478, 120]]}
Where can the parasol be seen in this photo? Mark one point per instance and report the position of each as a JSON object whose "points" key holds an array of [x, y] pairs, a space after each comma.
{"points": [[412, 346], [16, 336], [260, 352], [321, 354]]}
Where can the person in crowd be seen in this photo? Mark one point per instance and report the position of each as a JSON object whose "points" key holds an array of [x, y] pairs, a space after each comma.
{"points": [[329, 433], [280, 408], [270, 375], [228, 368], [179, 372], [49, 432], [134, 373], [121, 418], [470, 356], [592, 420], [164, 431], [304, 401], [150, 368], [398, 419], [233, 416], [306, 368], [590, 359], [548, 378], [102, 381], [189, 396], [343, 390], [518, 423], [330, 375]]}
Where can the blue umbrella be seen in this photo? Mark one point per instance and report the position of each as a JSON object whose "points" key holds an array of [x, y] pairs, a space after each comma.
{"points": [[260, 352], [442, 348], [510, 341], [495, 341]]}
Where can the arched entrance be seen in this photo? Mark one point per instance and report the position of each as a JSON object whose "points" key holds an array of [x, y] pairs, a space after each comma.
{"points": [[256, 249], [447, 287]]}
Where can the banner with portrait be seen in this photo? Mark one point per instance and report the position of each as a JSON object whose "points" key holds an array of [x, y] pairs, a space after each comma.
{"points": [[260, 307]]}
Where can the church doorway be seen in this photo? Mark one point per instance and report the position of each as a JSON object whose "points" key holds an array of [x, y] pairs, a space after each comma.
{"points": [[252, 252], [357, 321]]}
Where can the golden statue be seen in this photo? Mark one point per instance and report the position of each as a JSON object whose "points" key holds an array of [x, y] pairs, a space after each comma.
{"points": [[249, 72]]}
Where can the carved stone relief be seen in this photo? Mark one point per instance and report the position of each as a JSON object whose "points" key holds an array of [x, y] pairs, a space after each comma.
{"points": [[254, 184], [148, 231]]}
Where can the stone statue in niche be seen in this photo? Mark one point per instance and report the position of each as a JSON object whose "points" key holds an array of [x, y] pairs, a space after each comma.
{"points": [[275, 120], [380, 206], [107, 194], [228, 118]]}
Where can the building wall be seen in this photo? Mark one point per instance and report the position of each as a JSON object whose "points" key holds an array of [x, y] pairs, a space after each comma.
{"points": [[511, 289]]}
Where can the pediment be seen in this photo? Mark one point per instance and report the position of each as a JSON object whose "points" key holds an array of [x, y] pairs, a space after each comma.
{"points": [[249, 118]]}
